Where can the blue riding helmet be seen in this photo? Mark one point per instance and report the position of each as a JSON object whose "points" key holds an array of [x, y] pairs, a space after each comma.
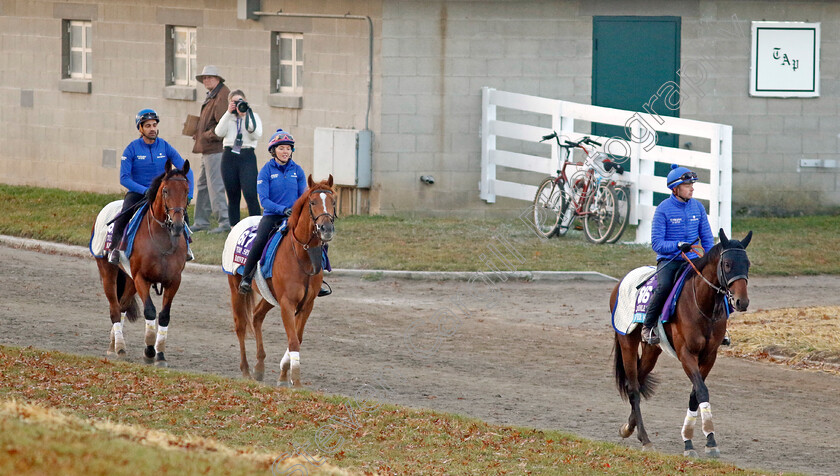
{"points": [[680, 175], [281, 137], [145, 115]]}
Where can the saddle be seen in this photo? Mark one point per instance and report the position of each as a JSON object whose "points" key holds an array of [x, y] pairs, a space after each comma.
{"points": [[101, 239], [633, 297], [241, 239]]}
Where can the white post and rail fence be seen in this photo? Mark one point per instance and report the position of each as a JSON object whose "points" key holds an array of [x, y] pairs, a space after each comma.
{"points": [[640, 148]]}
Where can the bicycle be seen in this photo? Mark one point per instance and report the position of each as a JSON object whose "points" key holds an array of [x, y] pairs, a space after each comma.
{"points": [[561, 199]]}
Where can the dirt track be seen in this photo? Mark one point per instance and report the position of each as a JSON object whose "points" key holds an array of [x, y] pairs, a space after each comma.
{"points": [[537, 356]]}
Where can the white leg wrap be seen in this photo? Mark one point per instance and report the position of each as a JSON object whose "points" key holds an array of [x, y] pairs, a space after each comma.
{"points": [[688, 425], [160, 344], [119, 340], [122, 317], [294, 357], [706, 415], [150, 332], [284, 363]]}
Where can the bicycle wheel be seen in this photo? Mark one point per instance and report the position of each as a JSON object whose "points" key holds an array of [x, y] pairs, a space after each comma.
{"points": [[548, 206], [599, 215], [622, 202]]}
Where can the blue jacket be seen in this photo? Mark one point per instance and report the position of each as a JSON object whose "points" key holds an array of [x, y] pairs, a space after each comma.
{"points": [[675, 221], [142, 162], [279, 186]]}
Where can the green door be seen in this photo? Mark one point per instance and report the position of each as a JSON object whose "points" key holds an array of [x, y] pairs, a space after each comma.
{"points": [[632, 58]]}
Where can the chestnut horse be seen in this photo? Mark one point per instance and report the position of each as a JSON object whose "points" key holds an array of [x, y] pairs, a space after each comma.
{"points": [[695, 330], [297, 273], [158, 256]]}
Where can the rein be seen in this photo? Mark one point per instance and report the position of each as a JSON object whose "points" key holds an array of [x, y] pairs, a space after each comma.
{"points": [[723, 289]]}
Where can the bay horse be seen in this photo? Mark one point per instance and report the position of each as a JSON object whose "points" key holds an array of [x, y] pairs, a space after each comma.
{"points": [[158, 257], [296, 278], [695, 330]]}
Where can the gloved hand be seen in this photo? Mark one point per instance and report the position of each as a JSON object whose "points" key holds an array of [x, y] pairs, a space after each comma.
{"points": [[288, 212], [148, 195], [684, 247]]}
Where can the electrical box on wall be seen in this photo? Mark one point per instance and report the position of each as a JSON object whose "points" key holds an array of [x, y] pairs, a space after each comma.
{"points": [[344, 153]]}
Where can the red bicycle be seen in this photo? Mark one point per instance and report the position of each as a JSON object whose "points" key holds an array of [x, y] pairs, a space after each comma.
{"points": [[585, 195]]}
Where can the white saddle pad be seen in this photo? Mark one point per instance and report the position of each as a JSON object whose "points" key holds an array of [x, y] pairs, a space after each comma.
{"points": [[100, 230], [625, 303], [237, 238]]}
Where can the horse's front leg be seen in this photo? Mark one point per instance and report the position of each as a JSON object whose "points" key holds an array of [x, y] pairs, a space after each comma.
{"points": [[149, 313], [163, 322], [699, 400]]}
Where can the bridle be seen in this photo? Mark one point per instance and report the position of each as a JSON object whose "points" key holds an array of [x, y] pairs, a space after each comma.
{"points": [[722, 280], [314, 234], [167, 223]]}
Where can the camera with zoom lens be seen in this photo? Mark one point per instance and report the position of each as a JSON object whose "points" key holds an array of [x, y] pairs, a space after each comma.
{"points": [[242, 106]]}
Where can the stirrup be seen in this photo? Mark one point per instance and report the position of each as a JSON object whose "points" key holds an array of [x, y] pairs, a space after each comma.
{"points": [[324, 291], [651, 337], [244, 287], [190, 255]]}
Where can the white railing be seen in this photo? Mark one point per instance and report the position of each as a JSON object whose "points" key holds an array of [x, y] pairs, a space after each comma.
{"points": [[640, 147]]}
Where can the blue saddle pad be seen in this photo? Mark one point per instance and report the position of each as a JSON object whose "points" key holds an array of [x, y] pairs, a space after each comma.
{"points": [[132, 227]]}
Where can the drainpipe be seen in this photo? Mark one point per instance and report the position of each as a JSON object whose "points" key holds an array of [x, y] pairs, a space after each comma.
{"points": [[339, 17]]}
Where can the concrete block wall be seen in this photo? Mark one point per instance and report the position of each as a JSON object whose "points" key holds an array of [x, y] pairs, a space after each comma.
{"points": [[62, 139], [436, 56]]}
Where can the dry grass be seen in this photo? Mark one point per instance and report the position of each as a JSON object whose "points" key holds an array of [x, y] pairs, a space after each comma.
{"points": [[801, 337]]}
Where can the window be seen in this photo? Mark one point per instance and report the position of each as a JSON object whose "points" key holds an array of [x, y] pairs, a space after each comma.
{"points": [[181, 55], [78, 64], [287, 54]]}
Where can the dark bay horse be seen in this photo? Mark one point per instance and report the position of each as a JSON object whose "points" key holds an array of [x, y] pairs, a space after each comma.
{"points": [[159, 255], [297, 273], [695, 331]]}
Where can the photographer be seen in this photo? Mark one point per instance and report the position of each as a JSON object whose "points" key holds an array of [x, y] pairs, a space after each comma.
{"points": [[241, 128]]}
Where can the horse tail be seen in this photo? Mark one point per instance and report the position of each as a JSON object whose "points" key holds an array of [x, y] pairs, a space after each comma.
{"points": [[132, 311], [647, 384], [620, 374]]}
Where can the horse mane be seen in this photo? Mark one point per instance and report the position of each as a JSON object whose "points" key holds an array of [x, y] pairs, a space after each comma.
{"points": [[297, 208], [713, 254], [155, 185]]}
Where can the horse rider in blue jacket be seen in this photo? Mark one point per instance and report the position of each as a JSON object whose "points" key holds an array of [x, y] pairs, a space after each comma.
{"points": [[143, 160], [677, 223], [279, 184]]}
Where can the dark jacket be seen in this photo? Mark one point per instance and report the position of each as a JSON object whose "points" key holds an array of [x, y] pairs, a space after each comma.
{"points": [[214, 107]]}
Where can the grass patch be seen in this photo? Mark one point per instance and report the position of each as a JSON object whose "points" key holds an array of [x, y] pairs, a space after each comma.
{"points": [[779, 245], [800, 337], [253, 418]]}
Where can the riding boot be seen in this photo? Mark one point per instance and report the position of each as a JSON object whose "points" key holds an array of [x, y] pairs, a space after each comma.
{"points": [[325, 290], [653, 311], [245, 284]]}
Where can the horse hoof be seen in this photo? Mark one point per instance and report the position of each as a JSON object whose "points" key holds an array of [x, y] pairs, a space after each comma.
{"points": [[690, 454], [149, 353], [648, 447], [258, 376], [148, 361], [712, 452], [160, 361], [625, 430], [296, 384]]}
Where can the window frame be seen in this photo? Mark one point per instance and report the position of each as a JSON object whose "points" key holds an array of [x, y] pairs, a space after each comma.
{"points": [[278, 62], [172, 55], [85, 49]]}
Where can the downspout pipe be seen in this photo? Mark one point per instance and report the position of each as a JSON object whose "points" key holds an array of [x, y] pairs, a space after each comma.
{"points": [[340, 17]]}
